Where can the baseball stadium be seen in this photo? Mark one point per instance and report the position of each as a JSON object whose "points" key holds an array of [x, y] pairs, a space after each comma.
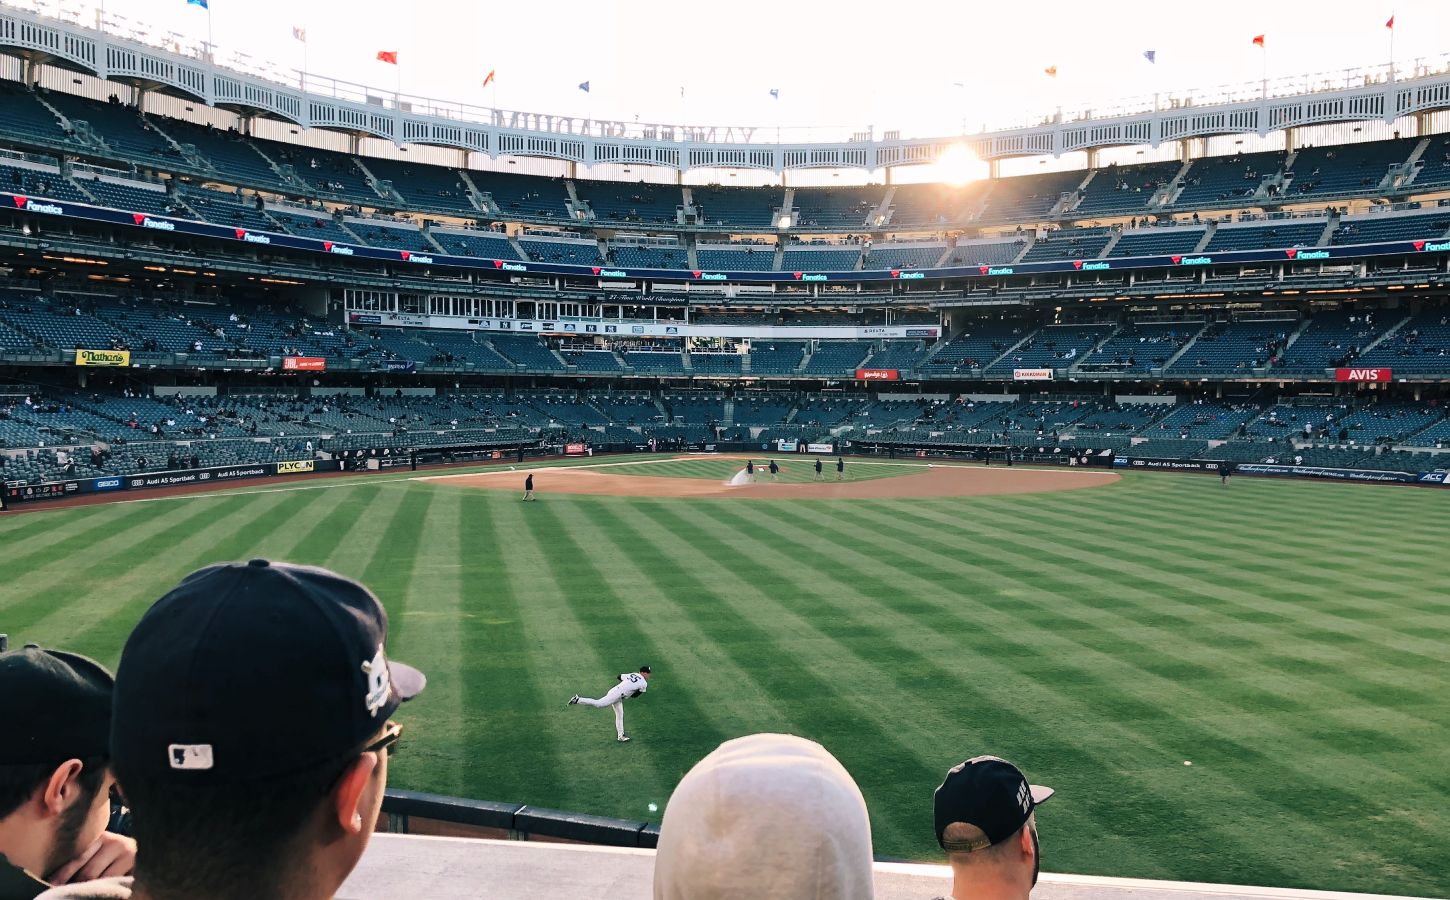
{"points": [[1123, 460]]}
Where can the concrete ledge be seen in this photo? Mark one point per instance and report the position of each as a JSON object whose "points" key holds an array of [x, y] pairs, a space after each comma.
{"points": [[407, 867]]}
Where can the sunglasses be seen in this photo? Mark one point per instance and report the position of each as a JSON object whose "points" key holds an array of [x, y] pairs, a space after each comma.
{"points": [[392, 734]]}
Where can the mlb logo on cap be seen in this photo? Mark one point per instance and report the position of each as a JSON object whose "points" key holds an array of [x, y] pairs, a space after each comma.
{"points": [[190, 756]]}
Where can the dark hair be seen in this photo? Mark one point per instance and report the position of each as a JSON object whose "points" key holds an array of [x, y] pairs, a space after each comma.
{"points": [[18, 783], [225, 840]]}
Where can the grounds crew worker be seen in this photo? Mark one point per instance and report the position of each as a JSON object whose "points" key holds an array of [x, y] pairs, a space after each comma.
{"points": [[55, 773], [529, 487], [819, 476]]}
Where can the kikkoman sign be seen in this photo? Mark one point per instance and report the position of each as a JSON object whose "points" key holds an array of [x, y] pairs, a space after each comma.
{"points": [[103, 357]]}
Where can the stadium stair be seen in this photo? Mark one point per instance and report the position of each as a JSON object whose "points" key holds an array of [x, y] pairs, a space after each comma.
{"points": [[1069, 202], [883, 210], [481, 200], [342, 224], [1027, 248], [423, 230], [1184, 349], [1410, 169], [687, 363], [1084, 357], [76, 183], [1008, 352], [577, 206], [775, 264], [1330, 227], [188, 151], [692, 256], [727, 418], [805, 360], [945, 255], [970, 215], [1208, 234], [1117, 236], [384, 189], [523, 255], [1165, 195], [285, 175], [1389, 333]]}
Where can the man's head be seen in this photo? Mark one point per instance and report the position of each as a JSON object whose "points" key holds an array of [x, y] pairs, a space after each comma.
{"points": [[252, 731], [985, 822], [54, 761], [645, 671]]}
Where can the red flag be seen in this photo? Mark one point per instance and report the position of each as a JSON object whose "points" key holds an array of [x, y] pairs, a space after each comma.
{"points": [[1259, 41], [1051, 71], [1391, 23], [489, 78], [388, 56]]}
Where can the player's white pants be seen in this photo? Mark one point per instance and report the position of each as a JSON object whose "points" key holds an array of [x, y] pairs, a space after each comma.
{"points": [[614, 698]]}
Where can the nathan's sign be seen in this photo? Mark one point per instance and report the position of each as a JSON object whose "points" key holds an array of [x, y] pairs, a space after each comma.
{"points": [[877, 375], [1361, 374], [103, 357], [304, 363]]}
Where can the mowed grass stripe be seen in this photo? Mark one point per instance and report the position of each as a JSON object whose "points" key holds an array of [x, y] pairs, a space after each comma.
{"points": [[14, 528], [319, 543], [391, 567], [362, 537], [433, 615], [510, 746], [78, 536], [925, 656]]}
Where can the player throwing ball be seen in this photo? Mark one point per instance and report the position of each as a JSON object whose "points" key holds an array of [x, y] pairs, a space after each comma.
{"points": [[631, 685]]}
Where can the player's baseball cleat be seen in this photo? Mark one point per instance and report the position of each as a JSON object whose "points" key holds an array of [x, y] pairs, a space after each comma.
{"points": [[623, 739], [573, 700]]}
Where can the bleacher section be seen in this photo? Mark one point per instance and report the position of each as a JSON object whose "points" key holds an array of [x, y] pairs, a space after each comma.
{"points": [[644, 203], [837, 358], [630, 256], [573, 253], [1357, 168], [1234, 347], [528, 351], [24, 116], [1070, 244], [390, 236], [133, 196], [1138, 348], [1157, 242], [977, 346], [843, 207], [748, 258], [524, 195], [904, 256], [1216, 180], [1027, 198], [120, 126], [935, 204], [662, 363], [1124, 190], [1056, 347], [1333, 339], [986, 253], [1420, 345], [39, 183], [1392, 227], [741, 207], [429, 187], [832, 259], [1257, 236], [484, 244], [775, 357]]}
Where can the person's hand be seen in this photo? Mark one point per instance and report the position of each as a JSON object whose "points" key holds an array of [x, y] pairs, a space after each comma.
{"points": [[108, 856]]}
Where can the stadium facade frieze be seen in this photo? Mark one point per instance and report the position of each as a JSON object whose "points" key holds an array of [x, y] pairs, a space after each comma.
{"points": [[605, 275]]}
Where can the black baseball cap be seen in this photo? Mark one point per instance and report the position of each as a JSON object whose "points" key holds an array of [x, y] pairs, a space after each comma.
{"points": [[55, 705], [246, 671], [644, 670], [991, 794]]}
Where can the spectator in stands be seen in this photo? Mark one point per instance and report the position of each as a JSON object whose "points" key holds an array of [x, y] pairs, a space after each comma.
{"points": [[985, 814], [55, 778], [765, 816], [282, 799]]}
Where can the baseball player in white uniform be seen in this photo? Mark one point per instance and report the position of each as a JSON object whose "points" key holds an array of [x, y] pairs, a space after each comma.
{"points": [[631, 684]]}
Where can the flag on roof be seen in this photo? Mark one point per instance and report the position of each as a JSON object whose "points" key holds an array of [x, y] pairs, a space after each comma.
{"points": [[1391, 23], [201, 3], [1051, 71], [299, 33], [1151, 56], [489, 78], [584, 87], [388, 56], [775, 92], [1259, 41]]}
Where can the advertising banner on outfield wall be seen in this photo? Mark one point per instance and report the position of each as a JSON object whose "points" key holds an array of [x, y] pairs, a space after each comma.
{"points": [[51, 490], [1362, 374], [1166, 465], [785, 446], [1031, 374], [1325, 472], [820, 448], [575, 449]]}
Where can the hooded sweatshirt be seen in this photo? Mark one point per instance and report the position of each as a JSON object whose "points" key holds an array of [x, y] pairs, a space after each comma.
{"points": [[769, 817]]}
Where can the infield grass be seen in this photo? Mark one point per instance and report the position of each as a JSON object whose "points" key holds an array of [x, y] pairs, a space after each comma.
{"points": [[1289, 639]]}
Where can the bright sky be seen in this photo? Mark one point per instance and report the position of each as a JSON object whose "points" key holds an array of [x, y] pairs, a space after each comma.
{"points": [[847, 65]]}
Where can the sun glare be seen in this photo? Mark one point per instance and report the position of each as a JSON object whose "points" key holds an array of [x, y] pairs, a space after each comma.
{"points": [[958, 166]]}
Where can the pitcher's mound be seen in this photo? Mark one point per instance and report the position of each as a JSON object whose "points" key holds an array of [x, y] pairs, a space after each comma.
{"points": [[938, 481]]}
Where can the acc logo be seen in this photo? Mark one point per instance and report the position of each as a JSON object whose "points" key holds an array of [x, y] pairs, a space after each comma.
{"points": [[379, 684]]}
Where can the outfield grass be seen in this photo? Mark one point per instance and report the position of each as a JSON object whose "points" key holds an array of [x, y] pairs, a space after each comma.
{"points": [[1289, 639]]}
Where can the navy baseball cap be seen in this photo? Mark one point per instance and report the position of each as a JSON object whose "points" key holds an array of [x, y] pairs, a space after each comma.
{"points": [[991, 794], [247, 671], [55, 705]]}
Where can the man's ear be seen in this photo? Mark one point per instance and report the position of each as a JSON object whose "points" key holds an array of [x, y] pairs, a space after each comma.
{"points": [[62, 788], [347, 796]]}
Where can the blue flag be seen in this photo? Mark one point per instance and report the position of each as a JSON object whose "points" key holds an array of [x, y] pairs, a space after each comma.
{"points": [[775, 92], [1151, 56], [584, 87], [201, 3]]}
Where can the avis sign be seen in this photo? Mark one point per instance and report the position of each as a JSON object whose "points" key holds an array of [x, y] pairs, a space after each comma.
{"points": [[1361, 374]]}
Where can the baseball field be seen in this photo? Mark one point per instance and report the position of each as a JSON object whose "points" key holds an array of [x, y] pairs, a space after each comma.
{"points": [[1288, 639]]}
